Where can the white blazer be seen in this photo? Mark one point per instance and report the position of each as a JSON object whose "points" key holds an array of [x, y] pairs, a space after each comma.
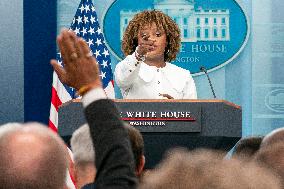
{"points": [[141, 81]]}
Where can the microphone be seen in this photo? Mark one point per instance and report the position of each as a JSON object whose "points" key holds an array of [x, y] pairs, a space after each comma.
{"points": [[202, 68]]}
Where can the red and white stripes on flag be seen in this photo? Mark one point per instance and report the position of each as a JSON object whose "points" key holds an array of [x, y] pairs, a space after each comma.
{"points": [[60, 95], [84, 24]]}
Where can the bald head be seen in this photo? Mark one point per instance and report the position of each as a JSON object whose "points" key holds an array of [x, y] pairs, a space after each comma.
{"points": [[32, 156], [274, 137]]}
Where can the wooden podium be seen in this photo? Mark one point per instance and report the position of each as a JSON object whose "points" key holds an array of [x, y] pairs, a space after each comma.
{"points": [[166, 124]]}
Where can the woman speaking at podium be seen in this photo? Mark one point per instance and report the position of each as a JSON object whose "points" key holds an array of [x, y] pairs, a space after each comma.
{"points": [[150, 42]]}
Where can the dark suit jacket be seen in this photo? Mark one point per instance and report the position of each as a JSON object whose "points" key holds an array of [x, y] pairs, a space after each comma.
{"points": [[114, 158], [89, 186]]}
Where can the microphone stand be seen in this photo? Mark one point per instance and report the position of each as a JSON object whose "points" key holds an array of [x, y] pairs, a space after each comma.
{"points": [[202, 68]]}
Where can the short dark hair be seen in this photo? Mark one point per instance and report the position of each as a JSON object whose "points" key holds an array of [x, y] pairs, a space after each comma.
{"points": [[137, 143], [247, 147]]}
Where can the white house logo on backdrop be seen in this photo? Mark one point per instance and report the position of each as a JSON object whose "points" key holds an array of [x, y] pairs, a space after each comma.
{"points": [[195, 24], [213, 32], [274, 100]]}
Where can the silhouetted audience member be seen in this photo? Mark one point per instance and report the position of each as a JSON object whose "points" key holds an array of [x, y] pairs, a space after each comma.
{"points": [[137, 145], [32, 157], [207, 170], [273, 137], [84, 157], [114, 158], [247, 147]]}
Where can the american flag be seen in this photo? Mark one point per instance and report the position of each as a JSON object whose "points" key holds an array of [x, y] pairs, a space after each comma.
{"points": [[85, 24]]}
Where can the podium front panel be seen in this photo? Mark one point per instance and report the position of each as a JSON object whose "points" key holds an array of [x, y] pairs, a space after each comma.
{"points": [[200, 117], [214, 124]]}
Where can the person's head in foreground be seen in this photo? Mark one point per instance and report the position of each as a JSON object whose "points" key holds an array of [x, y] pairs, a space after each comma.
{"points": [[137, 145], [84, 156], [273, 137], [247, 147], [207, 170], [272, 157], [156, 35], [31, 157]]}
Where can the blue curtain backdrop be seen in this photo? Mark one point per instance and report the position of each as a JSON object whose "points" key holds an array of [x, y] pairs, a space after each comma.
{"points": [[39, 47], [11, 61]]}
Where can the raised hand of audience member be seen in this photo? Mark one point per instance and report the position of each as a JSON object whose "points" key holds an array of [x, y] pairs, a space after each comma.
{"points": [[80, 69], [114, 162]]}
